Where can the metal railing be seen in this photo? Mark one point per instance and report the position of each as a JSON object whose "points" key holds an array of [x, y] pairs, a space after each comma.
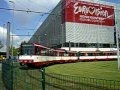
{"points": [[66, 82], [16, 77], [7, 74], [2, 87]]}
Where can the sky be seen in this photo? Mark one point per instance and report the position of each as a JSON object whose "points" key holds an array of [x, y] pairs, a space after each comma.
{"points": [[24, 24]]}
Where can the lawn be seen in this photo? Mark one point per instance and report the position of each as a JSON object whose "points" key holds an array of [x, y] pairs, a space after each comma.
{"points": [[99, 69], [68, 76]]}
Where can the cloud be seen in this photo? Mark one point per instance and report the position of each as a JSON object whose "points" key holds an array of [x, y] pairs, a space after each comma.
{"points": [[35, 5], [24, 18], [16, 39], [30, 5], [3, 35], [17, 42]]}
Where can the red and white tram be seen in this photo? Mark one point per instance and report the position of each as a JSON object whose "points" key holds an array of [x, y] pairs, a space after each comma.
{"points": [[36, 55]]}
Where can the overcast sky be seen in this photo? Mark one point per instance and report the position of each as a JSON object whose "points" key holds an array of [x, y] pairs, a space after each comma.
{"points": [[25, 23]]}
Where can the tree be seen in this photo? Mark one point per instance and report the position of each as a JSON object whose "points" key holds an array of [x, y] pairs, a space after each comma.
{"points": [[15, 51]]}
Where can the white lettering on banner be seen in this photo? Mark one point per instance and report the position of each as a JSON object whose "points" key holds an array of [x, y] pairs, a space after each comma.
{"points": [[92, 19], [99, 12]]}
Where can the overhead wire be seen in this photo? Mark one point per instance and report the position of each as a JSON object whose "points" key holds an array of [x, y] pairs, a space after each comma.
{"points": [[32, 11], [28, 11], [35, 25]]}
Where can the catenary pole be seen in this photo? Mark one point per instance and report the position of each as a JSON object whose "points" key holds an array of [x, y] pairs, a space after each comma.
{"points": [[12, 26], [117, 42], [8, 40]]}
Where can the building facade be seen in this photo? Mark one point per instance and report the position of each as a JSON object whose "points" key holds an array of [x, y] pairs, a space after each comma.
{"points": [[77, 24]]}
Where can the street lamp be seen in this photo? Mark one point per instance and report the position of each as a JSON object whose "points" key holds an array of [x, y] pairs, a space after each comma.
{"points": [[46, 40], [117, 42], [12, 27], [62, 36]]}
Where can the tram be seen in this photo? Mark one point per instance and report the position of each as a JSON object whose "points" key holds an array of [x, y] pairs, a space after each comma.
{"points": [[32, 54]]}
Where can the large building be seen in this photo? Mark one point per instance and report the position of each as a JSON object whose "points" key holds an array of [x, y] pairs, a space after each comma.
{"points": [[78, 24]]}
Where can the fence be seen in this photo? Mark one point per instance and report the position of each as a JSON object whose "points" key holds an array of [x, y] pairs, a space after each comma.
{"points": [[7, 74], [2, 87], [16, 77]]}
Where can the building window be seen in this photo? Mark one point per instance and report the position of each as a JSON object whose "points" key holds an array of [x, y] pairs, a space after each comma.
{"points": [[66, 44], [77, 44], [72, 44]]}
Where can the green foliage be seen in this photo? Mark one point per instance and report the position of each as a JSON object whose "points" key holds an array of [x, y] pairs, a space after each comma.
{"points": [[16, 51]]}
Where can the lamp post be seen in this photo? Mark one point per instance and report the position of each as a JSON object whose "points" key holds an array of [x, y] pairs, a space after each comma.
{"points": [[43, 77], [12, 27], [46, 40], [117, 43], [62, 36]]}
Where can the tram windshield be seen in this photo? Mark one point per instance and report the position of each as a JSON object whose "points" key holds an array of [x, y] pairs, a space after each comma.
{"points": [[27, 49]]}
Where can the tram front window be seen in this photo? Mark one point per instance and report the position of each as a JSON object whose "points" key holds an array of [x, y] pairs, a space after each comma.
{"points": [[27, 49]]}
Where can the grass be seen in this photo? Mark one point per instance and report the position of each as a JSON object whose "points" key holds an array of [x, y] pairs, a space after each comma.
{"points": [[30, 79], [101, 69]]}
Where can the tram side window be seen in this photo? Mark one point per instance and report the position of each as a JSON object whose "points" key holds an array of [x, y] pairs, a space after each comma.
{"points": [[45, 52], [90, 54], [82, 54], [27, 50], [37, 51]]}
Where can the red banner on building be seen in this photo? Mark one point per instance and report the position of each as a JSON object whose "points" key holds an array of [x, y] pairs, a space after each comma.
{"points": [[89, 13]]}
